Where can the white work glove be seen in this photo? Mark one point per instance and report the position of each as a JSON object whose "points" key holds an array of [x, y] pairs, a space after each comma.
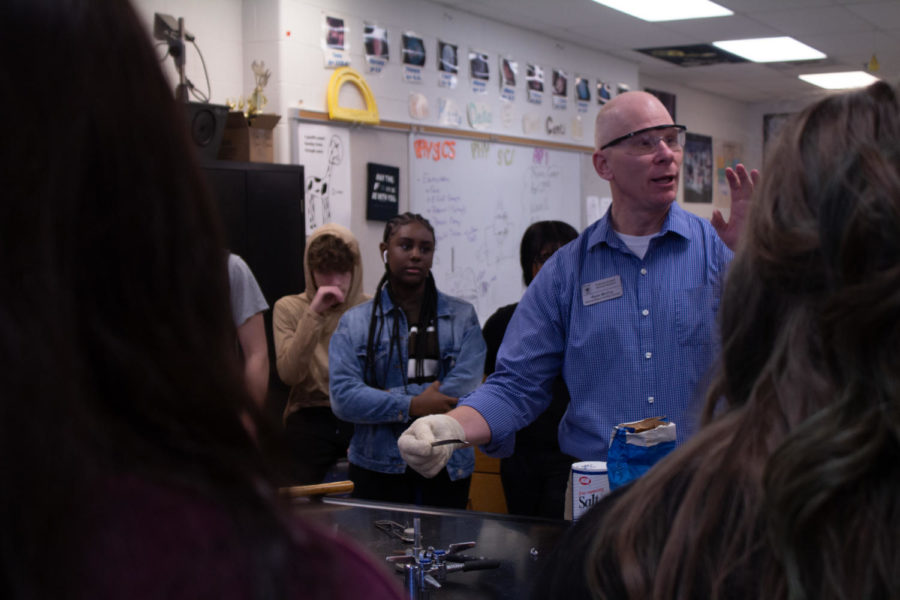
{"points": [[415, 443]]}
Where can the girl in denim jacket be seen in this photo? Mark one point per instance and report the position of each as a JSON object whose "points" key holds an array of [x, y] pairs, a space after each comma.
{"points": [[411, 351]]}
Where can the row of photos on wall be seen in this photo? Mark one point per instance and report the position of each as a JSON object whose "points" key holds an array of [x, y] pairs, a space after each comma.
{"points": [[450, 68], [698, 160]]}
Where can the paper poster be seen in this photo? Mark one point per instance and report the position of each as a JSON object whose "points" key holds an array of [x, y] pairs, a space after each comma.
{"points": [[577, 127], [531, 123], [449, 113], [604, 92], [560, 89], [413, 57], [728, 154], [508, 71], [324, 154], [697, 168], [480, 115], [418, 106], [534, 81], [479, 71], [334, 42], [375, 39], [553, 127], [582, 93], [448, 64], [382, 192]]}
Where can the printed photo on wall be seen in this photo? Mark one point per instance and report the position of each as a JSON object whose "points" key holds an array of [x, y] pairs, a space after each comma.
{"points": [[413, 50], [334, 42], [508, 70], [534, 83], [560, 88], [560, 82], [413, 57], [698, 168], [334, 33], [375, 39], [604, 92], [448, 65], [447, 61], [582, 89], [668, 100], [479, 71]]}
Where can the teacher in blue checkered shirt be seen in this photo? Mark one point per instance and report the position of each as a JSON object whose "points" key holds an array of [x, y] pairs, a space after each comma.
{"points": [[626, 312]]}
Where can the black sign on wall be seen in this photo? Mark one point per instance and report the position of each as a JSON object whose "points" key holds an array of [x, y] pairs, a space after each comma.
{"points": [[382, 192]]}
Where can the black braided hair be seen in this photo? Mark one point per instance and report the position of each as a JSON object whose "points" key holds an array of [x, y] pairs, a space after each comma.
{"points": [[427, 314]]}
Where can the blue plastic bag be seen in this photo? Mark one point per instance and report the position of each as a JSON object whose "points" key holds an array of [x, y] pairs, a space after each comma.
{"points": [[635, 447]]}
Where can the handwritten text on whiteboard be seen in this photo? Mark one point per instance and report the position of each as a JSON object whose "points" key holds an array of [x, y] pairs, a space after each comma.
{"points": [[437, 150]]}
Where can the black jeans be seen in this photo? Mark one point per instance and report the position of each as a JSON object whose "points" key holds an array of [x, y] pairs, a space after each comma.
{"points": [[316, 440], [535, 480]]}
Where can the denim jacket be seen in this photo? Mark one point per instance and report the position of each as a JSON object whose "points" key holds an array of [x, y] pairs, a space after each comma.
{"points": [[381, 415]]}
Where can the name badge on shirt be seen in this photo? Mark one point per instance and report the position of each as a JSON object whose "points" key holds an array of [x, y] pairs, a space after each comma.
{"points": [[601, 290]]}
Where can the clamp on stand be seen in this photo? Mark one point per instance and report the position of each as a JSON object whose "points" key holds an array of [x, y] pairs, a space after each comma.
{"points": [[427, 568]]}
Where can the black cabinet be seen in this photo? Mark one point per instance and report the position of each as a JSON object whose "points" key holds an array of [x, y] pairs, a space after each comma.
{"points": [[261, 206]]}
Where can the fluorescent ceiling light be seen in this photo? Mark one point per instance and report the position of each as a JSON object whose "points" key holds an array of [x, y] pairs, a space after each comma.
{"points": [[667, 10], [840, 81], [773, 49]]}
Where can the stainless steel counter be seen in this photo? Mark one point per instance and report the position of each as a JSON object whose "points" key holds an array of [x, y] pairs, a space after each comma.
{"points": [[520, 544]]}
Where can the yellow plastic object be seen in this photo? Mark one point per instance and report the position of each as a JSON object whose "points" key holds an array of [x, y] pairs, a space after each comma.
{"points": [[338, 79]]}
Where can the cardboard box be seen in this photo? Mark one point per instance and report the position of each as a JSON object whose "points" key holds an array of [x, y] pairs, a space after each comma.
{"points": [[248, 139]]}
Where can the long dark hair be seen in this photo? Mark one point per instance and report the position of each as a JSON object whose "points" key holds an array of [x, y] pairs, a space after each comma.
{"points": [[791, 488], [427, 314], [116, 340]]}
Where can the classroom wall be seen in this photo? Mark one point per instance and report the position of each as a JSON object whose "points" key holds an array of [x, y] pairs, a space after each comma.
{"points": [[218, 26], [287, 36]]}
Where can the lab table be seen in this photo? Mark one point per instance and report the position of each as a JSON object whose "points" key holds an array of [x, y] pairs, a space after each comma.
{"points": [[521, 545]]}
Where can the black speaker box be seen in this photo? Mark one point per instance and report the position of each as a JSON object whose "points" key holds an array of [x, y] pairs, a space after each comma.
{"points": [[206, 126]]}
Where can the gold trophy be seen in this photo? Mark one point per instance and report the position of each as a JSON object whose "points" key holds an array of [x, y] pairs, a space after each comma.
{"points": [[254, 104], [257, 99]]}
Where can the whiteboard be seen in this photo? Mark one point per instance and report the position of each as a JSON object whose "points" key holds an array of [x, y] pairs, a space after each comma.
{"points": [[480, 197]]}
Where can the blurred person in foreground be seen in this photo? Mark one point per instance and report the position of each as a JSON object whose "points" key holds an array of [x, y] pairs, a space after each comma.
{"points": [[790, 489], [127, 470]]}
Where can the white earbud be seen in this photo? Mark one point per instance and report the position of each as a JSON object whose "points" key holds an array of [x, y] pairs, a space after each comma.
{"points": [[384, 256]]}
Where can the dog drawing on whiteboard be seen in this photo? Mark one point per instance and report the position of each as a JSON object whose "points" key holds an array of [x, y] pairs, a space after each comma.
{"points": [[318, 189]]}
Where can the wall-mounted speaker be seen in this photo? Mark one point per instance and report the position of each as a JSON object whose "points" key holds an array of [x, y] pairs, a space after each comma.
{"points": [[206, 126]]}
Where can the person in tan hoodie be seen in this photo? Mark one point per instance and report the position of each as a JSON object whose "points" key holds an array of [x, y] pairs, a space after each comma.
{"points": [[303, 324]]}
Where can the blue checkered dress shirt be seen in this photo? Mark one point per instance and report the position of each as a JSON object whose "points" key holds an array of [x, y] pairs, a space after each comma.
{"points": [[645, 353]]}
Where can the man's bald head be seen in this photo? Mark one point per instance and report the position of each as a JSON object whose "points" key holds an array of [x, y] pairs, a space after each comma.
{"points": [[626, 113]]}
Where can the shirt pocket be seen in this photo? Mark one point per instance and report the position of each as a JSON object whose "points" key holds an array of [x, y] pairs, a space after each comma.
{"points": [[448, 360], [379, 355], [695, 315]]}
